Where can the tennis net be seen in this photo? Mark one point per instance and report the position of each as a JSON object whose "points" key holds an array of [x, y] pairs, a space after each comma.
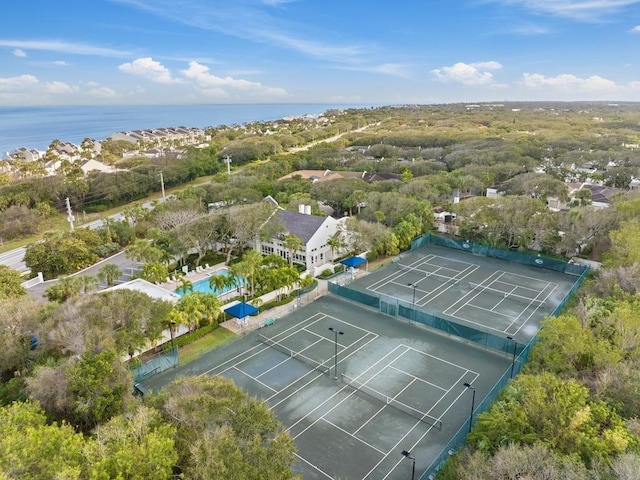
{"points": [[320, 366], [512, 296], [426, 274], [392, 402]]}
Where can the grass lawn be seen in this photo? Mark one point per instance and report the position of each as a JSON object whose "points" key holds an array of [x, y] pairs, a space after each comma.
{"points": [[199, 347]]}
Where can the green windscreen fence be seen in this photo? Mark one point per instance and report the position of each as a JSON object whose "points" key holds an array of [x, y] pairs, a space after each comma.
{"points": [[158, 363], [398, 308], [523, 258]]}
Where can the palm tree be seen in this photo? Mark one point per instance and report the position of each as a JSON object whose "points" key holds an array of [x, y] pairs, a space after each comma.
{"points": [[253, 259], [241, 270], [175, 317], [138, 251], [155, 272], [230, 281], [185, 285], [217, 283], [292, 244], [109, 273], [87, 282], [335, 244]]}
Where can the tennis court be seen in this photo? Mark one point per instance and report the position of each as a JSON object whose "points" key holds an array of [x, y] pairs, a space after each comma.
{"points": [[493, 295], [397, 387]]}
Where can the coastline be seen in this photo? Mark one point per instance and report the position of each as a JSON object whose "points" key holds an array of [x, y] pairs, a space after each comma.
{"points": [[35, 127]]}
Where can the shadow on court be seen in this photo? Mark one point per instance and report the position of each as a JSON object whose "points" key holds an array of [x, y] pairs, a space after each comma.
{"points": [[397, 387]]}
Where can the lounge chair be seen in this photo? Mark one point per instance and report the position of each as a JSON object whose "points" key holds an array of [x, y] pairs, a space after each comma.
{"points": [[206, 266]]}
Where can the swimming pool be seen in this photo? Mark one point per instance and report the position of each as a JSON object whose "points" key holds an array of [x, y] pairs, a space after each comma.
{"points": [[203, 286]]}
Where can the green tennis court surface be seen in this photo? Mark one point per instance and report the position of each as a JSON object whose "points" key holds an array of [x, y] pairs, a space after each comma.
{"points": [[398, 387], [496, 296], [358, 382]]}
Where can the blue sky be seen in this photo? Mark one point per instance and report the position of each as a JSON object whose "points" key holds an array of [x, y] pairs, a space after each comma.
{"points": [[376, 52]]}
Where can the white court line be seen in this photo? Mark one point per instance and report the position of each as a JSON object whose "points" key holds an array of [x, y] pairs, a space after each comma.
{"points": [[442, 360], [252, 378], [443, 287], [467, 300], [244, 356], [528, 278], [505, 297], [317, 376], [449, 287], [520, 327], [315, 467], [395, 448], [336, 393], [417, 378], [385, 281], [352, 435], [291, 358]]}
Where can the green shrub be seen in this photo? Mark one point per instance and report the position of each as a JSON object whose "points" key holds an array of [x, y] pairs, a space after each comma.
{"points": [[338, 268], [326, 273], [187, 338]]}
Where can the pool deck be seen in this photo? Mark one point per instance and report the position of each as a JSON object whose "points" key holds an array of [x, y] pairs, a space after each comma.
{"points": [[248, 324]]}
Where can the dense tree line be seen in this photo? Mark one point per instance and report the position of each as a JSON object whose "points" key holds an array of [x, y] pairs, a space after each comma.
{"points": [[573, 412]]}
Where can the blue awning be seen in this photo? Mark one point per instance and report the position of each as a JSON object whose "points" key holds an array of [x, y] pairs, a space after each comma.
{"points": [[353, 261], [241, 310]]}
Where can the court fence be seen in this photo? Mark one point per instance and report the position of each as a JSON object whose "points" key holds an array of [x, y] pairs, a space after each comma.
{"points": [[519, 352], [158, 363], [523, 258]]}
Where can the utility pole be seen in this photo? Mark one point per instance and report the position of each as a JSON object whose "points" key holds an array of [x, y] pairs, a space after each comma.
{"points": [[70, 218], [164, 198], [228, 161]]}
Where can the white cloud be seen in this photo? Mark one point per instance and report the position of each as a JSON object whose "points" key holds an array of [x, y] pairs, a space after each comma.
{"points": [[635, 29], [60, 63], [393, 69], [63, 47], [19, 53], [150, 69], [102, 92], [57, 87], [14, 83], [568, 82], [468, 73], [252, 21], [221, 86], [581, 10]]}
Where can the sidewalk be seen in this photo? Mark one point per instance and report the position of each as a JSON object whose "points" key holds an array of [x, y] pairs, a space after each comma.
{"points": [[251, 323]]}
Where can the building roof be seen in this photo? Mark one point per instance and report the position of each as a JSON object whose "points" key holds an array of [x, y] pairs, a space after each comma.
{"points": [[601, 194], [325, 175], [301, 225], [154, 291]]}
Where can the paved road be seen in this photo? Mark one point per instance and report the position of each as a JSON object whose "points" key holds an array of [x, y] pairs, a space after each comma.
{"points": [[14, 258], [125, 265]]}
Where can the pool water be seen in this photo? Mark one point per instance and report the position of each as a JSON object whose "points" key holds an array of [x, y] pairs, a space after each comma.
{"points": [[203, 286]]}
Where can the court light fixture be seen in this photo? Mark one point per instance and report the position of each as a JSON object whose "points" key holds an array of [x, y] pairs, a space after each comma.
{"points": [[413, 301], [410, 457], [473, 402], [336, 332], [515, 348]]}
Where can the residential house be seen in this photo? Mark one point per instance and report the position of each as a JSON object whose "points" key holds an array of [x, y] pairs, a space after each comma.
{"points": [[326, 175], [314, 231]]}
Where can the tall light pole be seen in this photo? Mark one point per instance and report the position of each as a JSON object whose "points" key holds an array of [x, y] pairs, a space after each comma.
{"points": [[515, 348], [413, 469], [336, 332], [164, 197], [413, 301], [473, 403]]}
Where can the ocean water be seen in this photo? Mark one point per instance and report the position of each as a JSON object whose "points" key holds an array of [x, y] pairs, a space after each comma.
{"points": [[37, 127]]}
